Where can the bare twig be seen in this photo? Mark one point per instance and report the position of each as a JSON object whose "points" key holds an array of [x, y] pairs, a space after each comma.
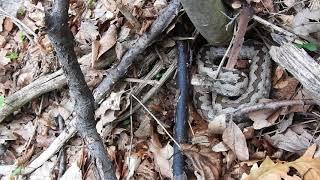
{"points": [[245, 16], [62, 154], [224, 58], [272, 26], [151, 82], [152, 91]]}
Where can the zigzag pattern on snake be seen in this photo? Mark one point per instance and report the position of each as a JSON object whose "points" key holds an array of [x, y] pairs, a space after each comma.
{"points": [[212, 97]]}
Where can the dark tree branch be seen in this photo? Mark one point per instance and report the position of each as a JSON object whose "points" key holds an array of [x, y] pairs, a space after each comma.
{"points": [[63, 42], [180, 128]]}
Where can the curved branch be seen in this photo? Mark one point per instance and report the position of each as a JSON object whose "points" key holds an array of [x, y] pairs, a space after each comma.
{"points": [[62, 40]]}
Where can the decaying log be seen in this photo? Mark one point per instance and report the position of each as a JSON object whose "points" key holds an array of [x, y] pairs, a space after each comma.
{"points": [[301, 65]]}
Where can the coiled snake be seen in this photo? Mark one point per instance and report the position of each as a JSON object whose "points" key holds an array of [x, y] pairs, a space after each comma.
{"points": [[233, 89]]}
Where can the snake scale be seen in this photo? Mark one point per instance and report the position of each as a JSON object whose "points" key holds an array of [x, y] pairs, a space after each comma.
{"points": [[232, 89]]}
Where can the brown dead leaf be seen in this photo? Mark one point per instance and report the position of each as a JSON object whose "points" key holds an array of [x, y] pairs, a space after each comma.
{"points": [[286, 19], [74, 171], [104, 11], [145, 25], [160, 4], [8, 24], [285, 89], [300, 108], [261, 123], [162, 157], [132, 164], [206, 164], [234, 138], [218, 125], [105, 118], [291, 141], [268, 170], [278, 74], [93, 77], [45, 120], [146, 171], [26, 156], [87, 32], [24, 79], [107, 41], [4, 60], [113, 103], [144, 129], [261, 118], [308, 168]]}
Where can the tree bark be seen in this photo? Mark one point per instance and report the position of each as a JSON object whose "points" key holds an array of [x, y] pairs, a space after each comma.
{"points": [[62, 40]]}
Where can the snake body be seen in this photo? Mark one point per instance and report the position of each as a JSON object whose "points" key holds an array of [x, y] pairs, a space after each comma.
{"points": [[232, 89]]}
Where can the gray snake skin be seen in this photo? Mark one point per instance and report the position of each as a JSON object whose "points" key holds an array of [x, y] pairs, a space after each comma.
{"points": [[233, 89]]}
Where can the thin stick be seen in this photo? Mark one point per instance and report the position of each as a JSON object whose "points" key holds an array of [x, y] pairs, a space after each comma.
{"points": [[224, 56], [131, 131], [156, 119], [143, 81], [153, 90], [277, 28]]}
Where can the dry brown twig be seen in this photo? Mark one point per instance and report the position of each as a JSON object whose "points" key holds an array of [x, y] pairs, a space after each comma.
{"points": [[244, 18]]}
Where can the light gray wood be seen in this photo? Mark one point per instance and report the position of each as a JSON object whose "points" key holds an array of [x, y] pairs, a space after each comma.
{"points": [[301, 65]]}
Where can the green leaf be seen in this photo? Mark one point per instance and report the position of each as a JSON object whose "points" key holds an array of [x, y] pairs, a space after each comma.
{"points": [[308, 46], [12, 56], [91, 3], [21, 12], [1, 101], [22, 37], [17, 171]]}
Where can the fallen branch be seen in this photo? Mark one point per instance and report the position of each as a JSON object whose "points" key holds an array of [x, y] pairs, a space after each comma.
{"points": [[62, 40], [303, 67], [159, 25], [40, 86]]}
